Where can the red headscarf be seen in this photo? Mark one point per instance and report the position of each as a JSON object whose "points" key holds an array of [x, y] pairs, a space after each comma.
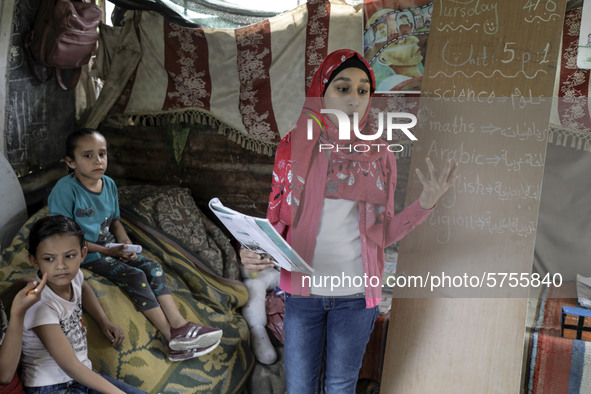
{"points": [[303, 175]]}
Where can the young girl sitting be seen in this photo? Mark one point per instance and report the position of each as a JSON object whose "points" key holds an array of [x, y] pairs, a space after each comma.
{"points": [[11, 333], [55, 351], [90, 198]]}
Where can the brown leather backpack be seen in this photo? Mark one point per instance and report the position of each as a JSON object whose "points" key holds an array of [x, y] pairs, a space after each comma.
{"points": [[63, 36]]}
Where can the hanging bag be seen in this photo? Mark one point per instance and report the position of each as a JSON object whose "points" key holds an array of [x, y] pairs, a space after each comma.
{"points": [[63, 36]]}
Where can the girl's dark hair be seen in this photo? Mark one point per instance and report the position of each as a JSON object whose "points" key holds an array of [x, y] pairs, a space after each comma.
{"points": [[354, 62], [72, 141], [53, 225]]}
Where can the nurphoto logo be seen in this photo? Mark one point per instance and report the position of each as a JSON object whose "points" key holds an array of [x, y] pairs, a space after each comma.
{"points": [[344, 124]]}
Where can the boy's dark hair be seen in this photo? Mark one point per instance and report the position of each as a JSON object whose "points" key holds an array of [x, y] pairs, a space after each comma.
{"points": [[72, 140], [53, 225]]}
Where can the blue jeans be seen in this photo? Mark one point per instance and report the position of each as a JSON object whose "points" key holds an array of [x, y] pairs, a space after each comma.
{"points": [[325, 331], [73, 387]]}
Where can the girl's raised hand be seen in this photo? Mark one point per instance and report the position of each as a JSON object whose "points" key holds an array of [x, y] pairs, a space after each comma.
{"points": [[435, 186], [28, 295]]}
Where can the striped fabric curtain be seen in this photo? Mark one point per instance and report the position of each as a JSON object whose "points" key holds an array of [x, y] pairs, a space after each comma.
{"points": [[570, 119], [248, 82]]}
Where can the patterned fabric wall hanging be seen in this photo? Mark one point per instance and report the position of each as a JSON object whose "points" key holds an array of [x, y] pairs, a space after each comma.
{"points": [[570, 121], [249, 83]]}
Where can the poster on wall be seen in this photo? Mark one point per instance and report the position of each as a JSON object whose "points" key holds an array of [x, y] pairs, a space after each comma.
{"points": [[395, 42]]}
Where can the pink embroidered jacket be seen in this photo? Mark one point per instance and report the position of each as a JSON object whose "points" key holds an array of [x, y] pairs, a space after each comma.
{"points": [[395, 228]]}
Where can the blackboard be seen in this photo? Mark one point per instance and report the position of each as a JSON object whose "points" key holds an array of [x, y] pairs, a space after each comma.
{"points": [[39, 114]]}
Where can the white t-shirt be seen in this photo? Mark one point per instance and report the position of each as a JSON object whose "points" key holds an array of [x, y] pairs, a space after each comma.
{"points": [[337, 256], [39, 368]]}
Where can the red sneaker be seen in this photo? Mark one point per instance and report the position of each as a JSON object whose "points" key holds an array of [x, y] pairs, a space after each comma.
{"points": [[182, 355], [192, 335]]}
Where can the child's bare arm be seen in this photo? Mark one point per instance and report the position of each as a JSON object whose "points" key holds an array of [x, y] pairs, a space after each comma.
{"points": [[10, 351], [116, 251], [10, 292], [60, 349], [121, 236], [119, 232], [91, 304]]}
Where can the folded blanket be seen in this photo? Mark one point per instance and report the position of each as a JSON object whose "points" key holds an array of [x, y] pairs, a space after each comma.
{"points": [[174, 212], [556, 364]]}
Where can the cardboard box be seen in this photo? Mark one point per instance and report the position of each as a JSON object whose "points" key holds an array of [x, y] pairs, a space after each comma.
{"points": [[576, 323]]}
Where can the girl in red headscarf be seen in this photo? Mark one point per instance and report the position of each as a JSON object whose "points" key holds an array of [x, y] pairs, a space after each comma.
{"points": [[335, 205]]}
